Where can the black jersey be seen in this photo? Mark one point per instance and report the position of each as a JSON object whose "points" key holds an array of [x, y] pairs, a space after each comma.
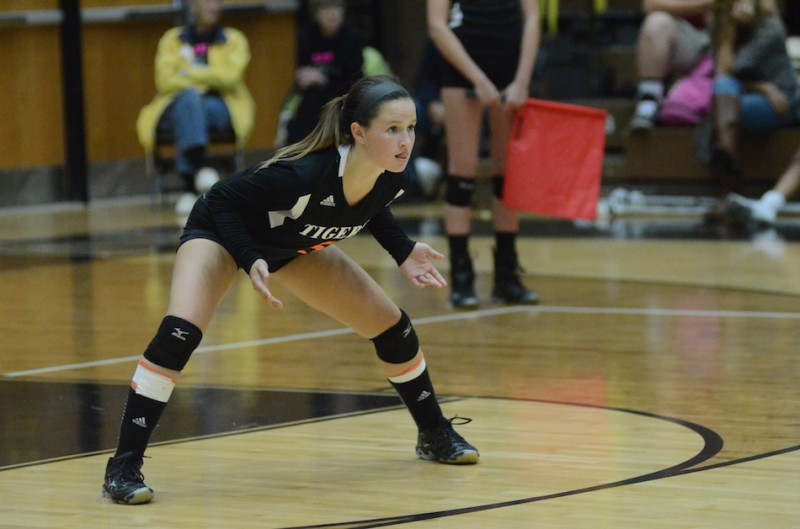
{"points": [[491, 32], [293, 208], [488, 21]]}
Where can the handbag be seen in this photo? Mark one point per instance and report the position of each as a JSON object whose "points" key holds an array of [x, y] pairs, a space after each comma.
{"points": [[555, 160], [689, 99]]}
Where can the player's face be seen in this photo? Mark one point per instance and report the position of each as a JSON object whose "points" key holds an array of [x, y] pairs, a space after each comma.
{"points": [[390, 136]]}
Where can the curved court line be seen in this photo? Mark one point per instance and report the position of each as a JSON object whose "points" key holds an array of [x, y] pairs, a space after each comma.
{"points": [[712, 445], [550, 309], [677, 470]]}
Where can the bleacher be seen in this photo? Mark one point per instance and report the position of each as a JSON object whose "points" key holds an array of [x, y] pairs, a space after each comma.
{"points": [[591, 61]]}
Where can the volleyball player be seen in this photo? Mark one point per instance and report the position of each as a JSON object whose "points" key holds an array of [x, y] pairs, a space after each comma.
{"points": [[279, 221]]}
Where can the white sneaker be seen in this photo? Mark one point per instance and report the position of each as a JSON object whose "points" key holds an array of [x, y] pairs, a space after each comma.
{"points": [[205, 178], [764, 213], [747, 210], [644, 118], [185, 204]]}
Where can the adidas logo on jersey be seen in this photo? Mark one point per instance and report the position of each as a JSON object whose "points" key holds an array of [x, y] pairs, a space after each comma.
{"points": [[328, 201]]}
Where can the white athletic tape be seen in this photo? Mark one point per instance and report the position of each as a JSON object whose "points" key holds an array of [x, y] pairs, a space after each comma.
{"points": [[151, 384], [411, 374]]}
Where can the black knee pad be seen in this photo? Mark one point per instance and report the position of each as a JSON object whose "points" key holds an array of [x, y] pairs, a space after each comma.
{"points": [[399, 343], [459, 190], [497, 186], [174, 343]]}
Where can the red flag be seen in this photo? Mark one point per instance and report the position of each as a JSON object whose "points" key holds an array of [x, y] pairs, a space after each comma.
{"points": [[555, 160]]}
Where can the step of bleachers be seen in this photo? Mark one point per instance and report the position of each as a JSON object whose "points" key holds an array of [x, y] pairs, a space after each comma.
{"points": [[667, 153]]}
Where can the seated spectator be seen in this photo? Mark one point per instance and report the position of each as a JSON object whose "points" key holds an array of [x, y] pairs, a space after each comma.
{"points": [[425, 172], [374, 63], [199, 70], [329, 60], [672, 40], [755, 88]]}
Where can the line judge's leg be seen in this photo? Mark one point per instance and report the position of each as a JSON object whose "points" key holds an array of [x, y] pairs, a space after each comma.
{"points": [[463, 118], [507, 286]]}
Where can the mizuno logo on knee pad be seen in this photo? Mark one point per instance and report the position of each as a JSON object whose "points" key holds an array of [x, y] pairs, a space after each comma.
{"points": [[174, 343], [399, 343]]}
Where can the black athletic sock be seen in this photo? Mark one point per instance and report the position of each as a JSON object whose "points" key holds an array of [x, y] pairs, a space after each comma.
{"points": [[420, 399], [139, 419], [505, 242], [458, 244]]}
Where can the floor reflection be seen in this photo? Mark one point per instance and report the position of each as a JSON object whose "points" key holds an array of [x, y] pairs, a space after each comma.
{"points": [[43, 420]]}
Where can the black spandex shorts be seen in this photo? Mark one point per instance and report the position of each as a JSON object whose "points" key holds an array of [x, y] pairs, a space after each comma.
{"points": [[200, 225], [498, 61]]}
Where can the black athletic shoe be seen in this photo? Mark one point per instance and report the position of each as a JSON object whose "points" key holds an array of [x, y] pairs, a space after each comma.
{"points": [[462, 295], [124, 482], [462, 283], [508, 287], [443, 444], [511, 290]]}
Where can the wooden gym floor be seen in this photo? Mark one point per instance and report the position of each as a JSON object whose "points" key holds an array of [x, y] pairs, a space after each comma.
{"points": [[656, 386]]}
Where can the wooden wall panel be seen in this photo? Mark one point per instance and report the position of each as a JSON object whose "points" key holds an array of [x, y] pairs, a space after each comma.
{"points": [[118, 81], [271, 71], [31, 127], [33, 5], [27, 5], [124, 3]]}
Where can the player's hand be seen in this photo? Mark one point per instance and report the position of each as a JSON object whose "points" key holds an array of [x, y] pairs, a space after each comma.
{"points": [[419, 270], [514, 96], [259, 273], [487, 93]]}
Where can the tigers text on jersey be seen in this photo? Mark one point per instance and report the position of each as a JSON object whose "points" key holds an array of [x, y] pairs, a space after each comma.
{"points": [[293, 208]]}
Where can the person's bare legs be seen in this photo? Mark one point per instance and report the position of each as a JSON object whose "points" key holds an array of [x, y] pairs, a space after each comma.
{"points": [[463, 117], [789, 182], [765, 210], [655, 48]]}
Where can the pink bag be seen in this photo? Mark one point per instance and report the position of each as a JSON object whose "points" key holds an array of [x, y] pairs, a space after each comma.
{"points": [[689, 99]]}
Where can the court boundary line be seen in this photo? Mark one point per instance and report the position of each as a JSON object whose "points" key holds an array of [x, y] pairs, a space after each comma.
{"points": [[467, 315]]}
